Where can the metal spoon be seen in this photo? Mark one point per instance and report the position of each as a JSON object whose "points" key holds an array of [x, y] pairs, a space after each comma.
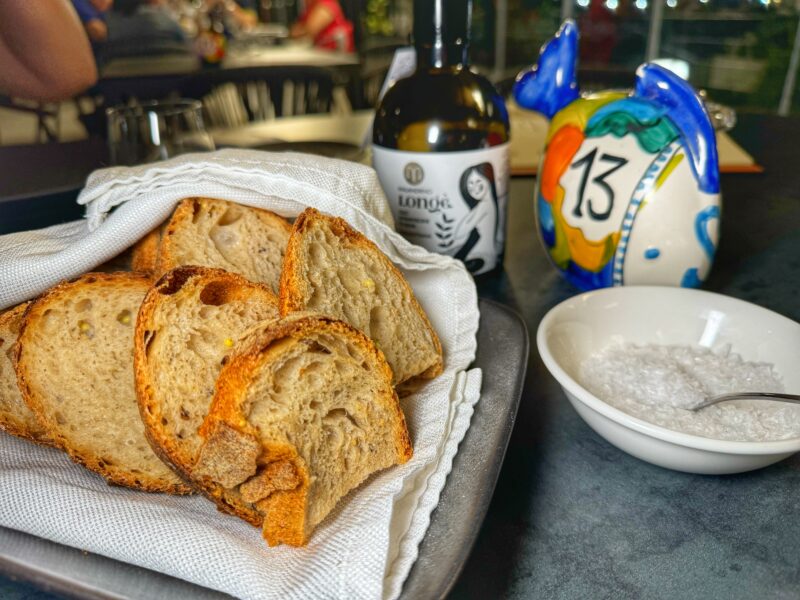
{"points": [[793, 398]]}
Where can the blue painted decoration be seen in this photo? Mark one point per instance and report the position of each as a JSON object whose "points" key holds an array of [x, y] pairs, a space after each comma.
{"points": [[701, 229], [551, 84], [626, 178], [691, 279], [684, 107]]}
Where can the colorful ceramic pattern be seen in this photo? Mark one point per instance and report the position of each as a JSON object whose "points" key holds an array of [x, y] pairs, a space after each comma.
{"points": [[628, 190]]}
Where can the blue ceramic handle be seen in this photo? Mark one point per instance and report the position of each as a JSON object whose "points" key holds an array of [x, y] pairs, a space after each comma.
{"points": [[551, 84]]}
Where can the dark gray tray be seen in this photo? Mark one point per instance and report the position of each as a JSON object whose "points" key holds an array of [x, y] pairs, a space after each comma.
{"points": [[503, 356]]}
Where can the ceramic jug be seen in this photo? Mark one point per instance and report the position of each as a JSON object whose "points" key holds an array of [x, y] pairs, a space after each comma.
{"points": [[628, 190]]}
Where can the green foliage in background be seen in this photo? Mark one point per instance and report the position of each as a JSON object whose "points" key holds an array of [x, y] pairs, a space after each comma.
{"points": [[482, 33], [377, 19], [775, 37]]}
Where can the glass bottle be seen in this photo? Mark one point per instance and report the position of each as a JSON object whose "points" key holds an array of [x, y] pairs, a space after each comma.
{"points": [[440, 144]]}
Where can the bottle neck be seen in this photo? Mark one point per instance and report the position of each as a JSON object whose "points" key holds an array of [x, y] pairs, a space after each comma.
{"points": [[442, 56], [441, 33]]}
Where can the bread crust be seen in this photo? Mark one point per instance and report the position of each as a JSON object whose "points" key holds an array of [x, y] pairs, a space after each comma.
{"points": [[293, 286], [144, 255], [10, 422], [163, 444], [112, 473], [286, 510], [182, 217]]}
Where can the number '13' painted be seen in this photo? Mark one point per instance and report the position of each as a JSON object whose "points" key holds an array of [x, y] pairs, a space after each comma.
{"points": [[587, 162]]}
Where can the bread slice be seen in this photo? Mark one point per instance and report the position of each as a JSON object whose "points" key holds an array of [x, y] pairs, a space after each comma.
{"points": [[15, 416], [304, 411], [144, 254], [141, 257], [332, 269], [187, 325], [226, 235], [74, 364]]}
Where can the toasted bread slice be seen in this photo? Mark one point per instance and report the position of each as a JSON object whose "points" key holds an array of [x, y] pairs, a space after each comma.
{"points": [[225, 235], [304, 411], [15, 416], [332, 269], [187, 325], [74, 364]]}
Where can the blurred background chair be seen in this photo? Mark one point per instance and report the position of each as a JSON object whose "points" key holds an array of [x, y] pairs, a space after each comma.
{"points": [[47, 125], [247, 95]]}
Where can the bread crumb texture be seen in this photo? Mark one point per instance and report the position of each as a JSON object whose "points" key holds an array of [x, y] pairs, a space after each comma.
{"points": [[226, 235], [188, 324], [15, 416], [318, 397], [332, 269], [75, 369]]}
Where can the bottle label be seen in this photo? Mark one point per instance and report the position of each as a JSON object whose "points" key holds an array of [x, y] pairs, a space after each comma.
{"points": [[449, 202]]}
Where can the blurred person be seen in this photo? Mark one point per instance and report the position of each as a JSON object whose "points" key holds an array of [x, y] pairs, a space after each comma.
{"points": [[241, 12], [598, 29], [140, 28], [44, 52], [324, 22], [92, 14]]}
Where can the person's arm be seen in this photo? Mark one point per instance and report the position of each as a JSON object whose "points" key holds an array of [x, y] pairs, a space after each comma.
{"points": [[318, 19], [101, 6], [44, 52], [91, 13], [86, 10], [246, 19], [96, 29]]}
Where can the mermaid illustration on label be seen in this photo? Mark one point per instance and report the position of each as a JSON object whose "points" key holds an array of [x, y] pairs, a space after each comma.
{"points": [[476, 234], [628, 189]]}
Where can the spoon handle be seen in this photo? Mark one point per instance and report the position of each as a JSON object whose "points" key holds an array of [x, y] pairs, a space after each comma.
{"points": [[793, 398]]}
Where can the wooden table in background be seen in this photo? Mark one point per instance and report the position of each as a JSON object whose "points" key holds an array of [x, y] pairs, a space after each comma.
{"points": [[528, 132], [178, 65], [158, 76]]}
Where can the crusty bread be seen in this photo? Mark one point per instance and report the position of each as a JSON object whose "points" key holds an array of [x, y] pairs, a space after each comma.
{"points": [[15, 416], [121, 262], [74, 364], [186, 326], [332, 269], [144, 255], [304, 411], [225, 235], [141, 257]]}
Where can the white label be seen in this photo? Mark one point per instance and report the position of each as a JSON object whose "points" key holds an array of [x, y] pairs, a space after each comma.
{"points": [[449, 202], [403, 64]]}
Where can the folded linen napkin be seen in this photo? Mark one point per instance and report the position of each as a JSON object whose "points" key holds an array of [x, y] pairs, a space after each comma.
{"points": [[367, 546]]}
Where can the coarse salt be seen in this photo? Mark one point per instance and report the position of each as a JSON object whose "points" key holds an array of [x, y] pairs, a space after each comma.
{"points": [[659, 384]]}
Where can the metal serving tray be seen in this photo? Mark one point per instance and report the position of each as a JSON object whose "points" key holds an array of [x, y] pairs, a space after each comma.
{"points": [[503, 356]]}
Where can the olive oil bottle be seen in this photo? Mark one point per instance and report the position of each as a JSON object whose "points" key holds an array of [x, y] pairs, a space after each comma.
{"points": [[440, 144]]}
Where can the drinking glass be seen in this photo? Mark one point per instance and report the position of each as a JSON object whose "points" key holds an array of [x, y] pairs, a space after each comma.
{"points": [[152, 131]]}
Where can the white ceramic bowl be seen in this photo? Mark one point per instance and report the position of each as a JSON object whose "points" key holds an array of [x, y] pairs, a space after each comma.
{"points": [[661, 315]]}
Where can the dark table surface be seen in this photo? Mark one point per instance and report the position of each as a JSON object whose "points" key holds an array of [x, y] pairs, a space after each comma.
{"points": [[572, 516]]}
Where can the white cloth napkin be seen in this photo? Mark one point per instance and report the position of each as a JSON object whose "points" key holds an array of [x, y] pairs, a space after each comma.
{"points": [[366, 547]]}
